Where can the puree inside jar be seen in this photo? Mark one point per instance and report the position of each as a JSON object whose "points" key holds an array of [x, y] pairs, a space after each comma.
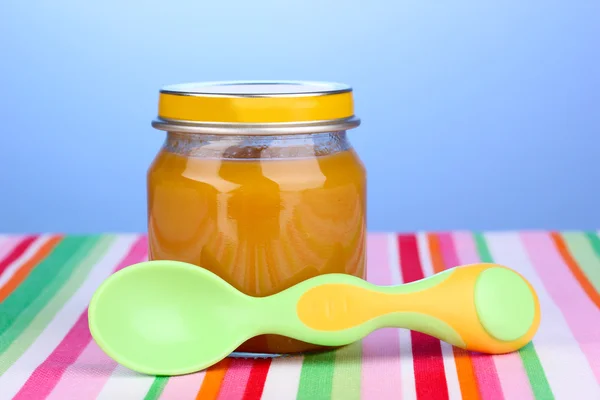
{"points": [[261, 224]]}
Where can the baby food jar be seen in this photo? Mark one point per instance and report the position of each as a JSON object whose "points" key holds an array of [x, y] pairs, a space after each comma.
{"points": [[258, 183]]}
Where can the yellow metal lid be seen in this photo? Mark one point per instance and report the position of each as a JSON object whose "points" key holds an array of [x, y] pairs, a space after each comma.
{"points": [[256, 107]]}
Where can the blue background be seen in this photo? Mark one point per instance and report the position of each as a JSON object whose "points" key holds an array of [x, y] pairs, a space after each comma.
{"points": [[476, 115]]}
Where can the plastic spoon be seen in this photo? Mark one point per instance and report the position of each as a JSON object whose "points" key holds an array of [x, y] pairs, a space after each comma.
{"points": [[172, 318]]}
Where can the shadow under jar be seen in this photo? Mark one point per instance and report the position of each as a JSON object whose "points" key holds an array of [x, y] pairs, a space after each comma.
{"points": [[258, 183]]}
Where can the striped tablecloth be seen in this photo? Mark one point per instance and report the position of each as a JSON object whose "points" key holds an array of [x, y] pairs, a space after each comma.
{"points": [[46, 351]]}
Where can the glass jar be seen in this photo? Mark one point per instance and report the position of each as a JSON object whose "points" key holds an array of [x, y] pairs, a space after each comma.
{"points": [[258, 183]]}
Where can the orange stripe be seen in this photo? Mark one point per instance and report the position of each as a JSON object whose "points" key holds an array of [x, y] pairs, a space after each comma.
{"points": [[22, 273], [575, 270], [466, 374], [211, 385], [437, 261], [462, 358]]}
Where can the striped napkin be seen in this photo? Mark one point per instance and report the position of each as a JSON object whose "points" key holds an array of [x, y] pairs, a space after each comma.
{"points": [[46, 351]]}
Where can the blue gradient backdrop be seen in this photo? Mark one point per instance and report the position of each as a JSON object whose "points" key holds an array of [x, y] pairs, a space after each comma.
{"points": [[478, 115]]}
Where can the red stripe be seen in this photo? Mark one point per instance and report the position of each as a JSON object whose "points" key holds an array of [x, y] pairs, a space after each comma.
{"points": [[256, 381], [16, 252], [430, 376]]}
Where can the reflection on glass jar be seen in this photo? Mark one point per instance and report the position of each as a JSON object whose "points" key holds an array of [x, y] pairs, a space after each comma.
{"points": [[262, 210]]}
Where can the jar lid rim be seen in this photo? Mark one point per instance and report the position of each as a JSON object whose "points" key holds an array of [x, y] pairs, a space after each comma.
{"points": [[257, 88]]}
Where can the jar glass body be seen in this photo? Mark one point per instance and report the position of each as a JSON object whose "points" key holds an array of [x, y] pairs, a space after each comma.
{"points": [[262, 212]]}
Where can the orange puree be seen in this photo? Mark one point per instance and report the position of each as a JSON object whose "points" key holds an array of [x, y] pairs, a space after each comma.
{"points": [[263, 225]]}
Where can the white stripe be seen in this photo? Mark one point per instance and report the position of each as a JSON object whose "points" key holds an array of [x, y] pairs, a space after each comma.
{"points": [[560, 355], [3, 242], [424, 255], [14, 267], [394, 259], [407, 368], [447, 353], [451, 373], [185, 391], [283, 379], [125, 384], [14, 378]]}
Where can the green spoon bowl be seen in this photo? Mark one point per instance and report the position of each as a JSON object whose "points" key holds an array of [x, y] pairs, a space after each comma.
{"points": [[179, 321]]}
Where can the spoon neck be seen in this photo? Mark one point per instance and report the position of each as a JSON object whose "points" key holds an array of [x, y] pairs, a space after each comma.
{"points": [[270, 315], [256, 315]]}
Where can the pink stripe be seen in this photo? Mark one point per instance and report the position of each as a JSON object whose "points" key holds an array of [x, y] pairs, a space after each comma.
{"points": [[381, 349], [8, 244], [465, 248], [48, 374], [86, 377], [184, 387], [495, 374], [567, 295], [448, 251], [236, 379]]}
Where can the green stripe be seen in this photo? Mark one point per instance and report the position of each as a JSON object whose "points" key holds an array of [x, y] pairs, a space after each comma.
{"points": [[535, 372], [347, 372], [482, 248], [55, 281], [316, 376], [47, 271], [529, 357], [595, 241], [157, 388], [583, 248]]}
